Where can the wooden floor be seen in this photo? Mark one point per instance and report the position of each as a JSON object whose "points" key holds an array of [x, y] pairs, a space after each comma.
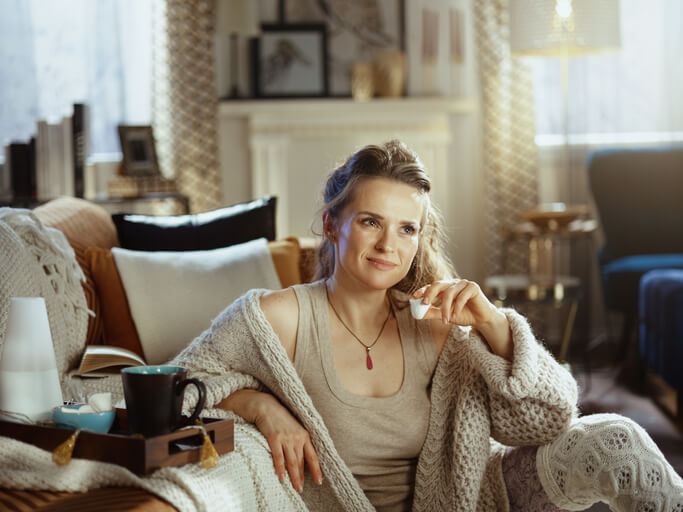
{"points": [[610, 387]]}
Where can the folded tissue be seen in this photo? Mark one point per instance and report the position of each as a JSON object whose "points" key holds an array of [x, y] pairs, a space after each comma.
{"points": [[95, 416]]}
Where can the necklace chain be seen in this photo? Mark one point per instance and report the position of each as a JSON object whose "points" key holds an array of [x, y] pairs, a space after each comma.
{"points": [[367, 347]]}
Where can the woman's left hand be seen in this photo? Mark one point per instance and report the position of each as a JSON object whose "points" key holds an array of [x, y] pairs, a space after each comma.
{"points": [[463, 303]]}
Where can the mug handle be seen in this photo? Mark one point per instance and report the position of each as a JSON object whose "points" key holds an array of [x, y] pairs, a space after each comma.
{"points": [[200, 403]]}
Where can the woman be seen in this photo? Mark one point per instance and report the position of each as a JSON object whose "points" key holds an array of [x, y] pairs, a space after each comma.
{"points": [[418, 411]]}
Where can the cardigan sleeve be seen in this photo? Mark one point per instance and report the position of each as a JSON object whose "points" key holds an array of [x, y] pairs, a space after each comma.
{"points": [[532, 398], [220, 358]]}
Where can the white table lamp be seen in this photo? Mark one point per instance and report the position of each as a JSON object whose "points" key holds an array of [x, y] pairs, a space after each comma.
{"points": [[29, 381]]}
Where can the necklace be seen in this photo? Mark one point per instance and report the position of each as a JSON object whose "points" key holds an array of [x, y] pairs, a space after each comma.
{"points": [[368, 359]]}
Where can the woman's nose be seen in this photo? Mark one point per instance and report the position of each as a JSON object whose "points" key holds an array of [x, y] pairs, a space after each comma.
{"points": [[385, 242]]}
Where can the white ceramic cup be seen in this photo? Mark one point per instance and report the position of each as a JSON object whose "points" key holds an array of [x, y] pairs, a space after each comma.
{"points": [[417, 309]]}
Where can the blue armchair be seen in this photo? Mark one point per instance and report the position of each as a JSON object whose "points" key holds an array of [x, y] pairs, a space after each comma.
{"points": [[639, 197]]}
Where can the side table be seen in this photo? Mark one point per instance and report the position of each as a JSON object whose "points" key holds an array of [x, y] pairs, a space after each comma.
{"points": [[543, 284]]}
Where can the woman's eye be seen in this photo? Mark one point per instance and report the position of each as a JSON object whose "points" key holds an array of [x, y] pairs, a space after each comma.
{"points": [[409, 230], [370, 222]]}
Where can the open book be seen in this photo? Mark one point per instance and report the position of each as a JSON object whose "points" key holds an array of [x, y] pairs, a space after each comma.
{"points": [[105, 360]]}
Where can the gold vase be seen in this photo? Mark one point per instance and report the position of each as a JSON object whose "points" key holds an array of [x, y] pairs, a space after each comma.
{"points": [[389, 74], [362, 81]]}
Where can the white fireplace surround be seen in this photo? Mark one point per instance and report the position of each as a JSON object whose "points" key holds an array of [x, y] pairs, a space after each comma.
{"points": [[287, 147]]}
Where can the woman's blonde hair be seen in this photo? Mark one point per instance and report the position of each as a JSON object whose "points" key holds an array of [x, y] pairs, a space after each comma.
{"points": [[392, 160]]}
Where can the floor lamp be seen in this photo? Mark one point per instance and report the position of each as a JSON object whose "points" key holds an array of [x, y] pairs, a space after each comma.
{"points": [[560, 29], [563, 29]]}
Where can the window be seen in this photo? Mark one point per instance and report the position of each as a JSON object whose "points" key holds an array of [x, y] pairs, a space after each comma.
{"points": [[54, 54]]}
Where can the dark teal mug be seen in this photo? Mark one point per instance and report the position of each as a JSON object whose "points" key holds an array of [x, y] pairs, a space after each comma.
{"points": [[154, 398]]}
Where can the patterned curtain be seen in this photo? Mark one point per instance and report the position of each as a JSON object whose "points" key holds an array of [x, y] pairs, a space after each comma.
{"points": [[509, 153], [185, 103]]}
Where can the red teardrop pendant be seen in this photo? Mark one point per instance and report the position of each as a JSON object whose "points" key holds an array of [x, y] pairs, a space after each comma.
{"points": [[368, 361]]}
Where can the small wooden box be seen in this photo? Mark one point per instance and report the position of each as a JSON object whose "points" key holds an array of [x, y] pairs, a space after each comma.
{"points": [[141, 456]]}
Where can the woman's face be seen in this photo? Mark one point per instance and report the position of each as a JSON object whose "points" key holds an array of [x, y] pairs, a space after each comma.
{"points": [[378, 233]]}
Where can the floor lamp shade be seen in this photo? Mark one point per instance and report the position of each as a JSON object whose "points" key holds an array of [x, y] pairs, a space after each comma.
{"points": [[563, 27], [29, 381]]}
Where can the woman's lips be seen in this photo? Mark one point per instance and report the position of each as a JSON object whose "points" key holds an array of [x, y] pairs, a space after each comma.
{"points": [[382, 264]]}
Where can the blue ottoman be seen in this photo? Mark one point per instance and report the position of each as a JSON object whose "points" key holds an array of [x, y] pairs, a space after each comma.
{"points": [[661, 324]]}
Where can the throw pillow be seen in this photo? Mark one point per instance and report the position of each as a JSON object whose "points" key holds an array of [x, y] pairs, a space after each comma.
{"points": [[286, 255], [119, 329], [201, 231], [118, 326], [174, 296]]}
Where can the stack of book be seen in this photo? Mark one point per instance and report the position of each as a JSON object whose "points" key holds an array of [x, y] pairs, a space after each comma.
{"points": [[51, 163]]}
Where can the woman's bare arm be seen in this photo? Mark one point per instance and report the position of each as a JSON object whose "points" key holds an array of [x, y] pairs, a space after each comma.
{"points": [[289, 441]]}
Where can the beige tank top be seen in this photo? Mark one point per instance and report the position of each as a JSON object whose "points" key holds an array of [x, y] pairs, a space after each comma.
{"points": [[378, 438]]}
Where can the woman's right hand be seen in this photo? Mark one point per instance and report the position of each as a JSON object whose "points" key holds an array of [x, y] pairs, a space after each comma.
{"points": [[289, 442]]}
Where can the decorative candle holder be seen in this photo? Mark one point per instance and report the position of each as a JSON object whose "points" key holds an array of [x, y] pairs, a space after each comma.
{"points": [[29, 381]]}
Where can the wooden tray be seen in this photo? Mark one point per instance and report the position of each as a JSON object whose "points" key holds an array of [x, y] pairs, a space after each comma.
{"points": [[141, 456]]}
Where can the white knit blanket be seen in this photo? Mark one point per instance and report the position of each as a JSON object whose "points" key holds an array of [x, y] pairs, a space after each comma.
{"points": [[36, 261], [240, 481]]}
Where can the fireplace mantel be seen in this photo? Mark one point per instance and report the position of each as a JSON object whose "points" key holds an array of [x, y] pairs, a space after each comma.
{"points": [[287, 147]]}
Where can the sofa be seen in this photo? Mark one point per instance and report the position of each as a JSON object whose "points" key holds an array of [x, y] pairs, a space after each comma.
{"points": [[94, 235]]}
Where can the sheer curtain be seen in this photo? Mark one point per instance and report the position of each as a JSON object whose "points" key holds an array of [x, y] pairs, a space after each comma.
{"points": [[53, 54]]}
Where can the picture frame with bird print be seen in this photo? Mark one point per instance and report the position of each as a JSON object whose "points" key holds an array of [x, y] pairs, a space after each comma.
{"points": [[290, 61]]}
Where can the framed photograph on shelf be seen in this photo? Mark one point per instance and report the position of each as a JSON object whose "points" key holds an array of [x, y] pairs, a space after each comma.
{"points": [[290, 61], [139, 151], [436, 47], [358, 30]]}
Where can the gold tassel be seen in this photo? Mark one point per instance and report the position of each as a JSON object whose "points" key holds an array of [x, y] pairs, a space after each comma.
{"points": [[62, 454], [208, 454]]}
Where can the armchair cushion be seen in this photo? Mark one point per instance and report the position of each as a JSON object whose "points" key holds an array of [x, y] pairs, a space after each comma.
{"points": [[621, 278], [223, 227]]}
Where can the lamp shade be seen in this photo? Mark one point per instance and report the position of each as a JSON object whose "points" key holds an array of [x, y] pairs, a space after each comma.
{"points": [[29, 381], [237, 17], [563, 27]]}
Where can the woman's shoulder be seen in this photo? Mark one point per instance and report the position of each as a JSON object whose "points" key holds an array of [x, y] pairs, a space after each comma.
{"points": [[279, 303], [281, 309]]}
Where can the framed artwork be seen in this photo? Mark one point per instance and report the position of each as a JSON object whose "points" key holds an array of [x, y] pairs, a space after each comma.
{"points": [[436, 47], [290, 61], [358, 30], [139, 151]]}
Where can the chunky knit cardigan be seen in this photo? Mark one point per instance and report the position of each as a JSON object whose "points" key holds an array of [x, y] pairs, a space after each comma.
{"points": [[480, 402]]}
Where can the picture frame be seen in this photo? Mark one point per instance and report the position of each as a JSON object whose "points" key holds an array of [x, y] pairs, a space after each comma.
{"points": [[289, 60], [139, 150], [358, 30], [436, 47]]}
